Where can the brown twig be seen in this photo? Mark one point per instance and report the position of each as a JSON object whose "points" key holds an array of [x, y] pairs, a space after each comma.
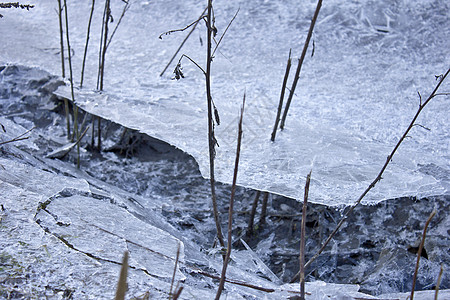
{"points": [[438, 283], [87, 43], [184, 41], [61, 38], [122, 284], [17, 138], [125, 9], [230, 209], [211, 138], [419, 252], [252, 214], [174, 273], [262, 217], [379, 176], [280, 103], [302, 238], [226, 29], [105, 40], [300, 63]]}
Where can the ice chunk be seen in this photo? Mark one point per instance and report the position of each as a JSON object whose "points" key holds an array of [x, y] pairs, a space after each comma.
{"points": [[355, 97]]}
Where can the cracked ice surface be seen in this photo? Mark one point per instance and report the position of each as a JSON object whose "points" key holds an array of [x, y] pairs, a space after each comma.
{"points": [[355, 96]]}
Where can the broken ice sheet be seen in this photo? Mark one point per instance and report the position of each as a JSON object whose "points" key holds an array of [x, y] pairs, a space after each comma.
{"points": [[356, 94], [93, 225]]}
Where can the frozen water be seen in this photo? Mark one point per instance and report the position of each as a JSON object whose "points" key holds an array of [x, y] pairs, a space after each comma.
{"points": [[355, 97], [88, 222]]}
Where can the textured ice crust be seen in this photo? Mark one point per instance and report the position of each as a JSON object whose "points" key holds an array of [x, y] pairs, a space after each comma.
{"points": [[355, 96]]}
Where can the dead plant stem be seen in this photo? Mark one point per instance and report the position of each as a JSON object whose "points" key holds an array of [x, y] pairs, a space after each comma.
{"points": [[379, 176], [419, 252], [211, 138], [183, 42], [300, 63], [87, 43], [280, 103], [302, 238], [230, 209]]}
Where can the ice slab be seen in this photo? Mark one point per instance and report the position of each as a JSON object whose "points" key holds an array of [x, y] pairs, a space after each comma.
{"points": [[355, 97]]}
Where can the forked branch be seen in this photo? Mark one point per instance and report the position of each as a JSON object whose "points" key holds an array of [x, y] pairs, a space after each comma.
{"points": [[380, 174]]}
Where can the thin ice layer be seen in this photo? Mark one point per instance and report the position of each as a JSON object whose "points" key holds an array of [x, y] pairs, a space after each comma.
{"points": [[355, 97]]}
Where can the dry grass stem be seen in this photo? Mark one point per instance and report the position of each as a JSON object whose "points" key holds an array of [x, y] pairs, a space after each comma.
{"points": [[262, 217], [302, 238], [230, 209], [252, 214], [280, 103], [419, 252], [438, 283], [300, 63], [122, 284], [183, 42], [379, 176], [171, 296], [86, 43]]}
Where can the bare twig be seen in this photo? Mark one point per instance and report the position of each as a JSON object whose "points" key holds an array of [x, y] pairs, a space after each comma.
{"points": [[105, 40], [262, 217], [280, 103], [302, 238], [252, 214], [17, 138], [438, 283], [226, 29], [378, 177], [184, 41], [87, 43], [211, 137], [183, 29], [125, 9], [122, 284], [230, 209], [300, 63], [419, 252], [174, 273], [61, 38], [193, 61]]}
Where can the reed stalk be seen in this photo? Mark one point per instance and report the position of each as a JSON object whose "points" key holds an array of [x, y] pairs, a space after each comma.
{"points": [[378, 178], [300, 63], [87, 43], [303, 237], [280, 103], [230, 209], [419, 253]]}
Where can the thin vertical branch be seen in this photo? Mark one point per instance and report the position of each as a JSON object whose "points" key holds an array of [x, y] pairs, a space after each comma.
{"points": [[230, 209], [105, 39], [122, 284], [174, 272], [280, 104], [262, 217], [380, 174], [124, 10], [419, 252], [75, 113], [252, 214], [300, 63], [302, 238], [87, 42], [211, 138], [61, 38], [438, 283], [100, 48]]}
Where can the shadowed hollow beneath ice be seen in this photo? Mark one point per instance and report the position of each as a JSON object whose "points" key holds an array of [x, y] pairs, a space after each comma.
{"points": [[358, 89]]}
